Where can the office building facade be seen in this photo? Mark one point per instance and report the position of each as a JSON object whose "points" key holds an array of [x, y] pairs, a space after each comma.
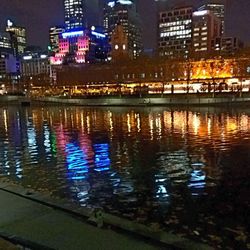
{"points": [[74, 14], [206, 26], [175, 32], [5, 44], [32, 64]]}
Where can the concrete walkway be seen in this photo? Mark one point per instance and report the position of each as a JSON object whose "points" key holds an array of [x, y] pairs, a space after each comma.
{"points": [[5, 245], [33, 222]]}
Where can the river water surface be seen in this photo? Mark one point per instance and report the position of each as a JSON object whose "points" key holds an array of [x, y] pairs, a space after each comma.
{"points": [[186, 171]]}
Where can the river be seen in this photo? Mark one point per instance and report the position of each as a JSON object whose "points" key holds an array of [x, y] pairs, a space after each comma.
{"points": [[186, 171]]}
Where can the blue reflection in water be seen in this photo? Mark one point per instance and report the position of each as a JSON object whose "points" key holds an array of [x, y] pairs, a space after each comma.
{"points": [[32, 143], [161, 190], [19, 169], [102, 160], [6, 166], [76, 162], [197, 182], [47, 143], [77, 172]]}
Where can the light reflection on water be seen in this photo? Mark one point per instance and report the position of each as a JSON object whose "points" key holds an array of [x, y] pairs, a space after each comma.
{"points": [[138, 162]]}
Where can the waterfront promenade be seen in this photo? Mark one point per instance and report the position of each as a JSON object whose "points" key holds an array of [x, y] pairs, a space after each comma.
{"points": [[37, 222], [201, 99]]}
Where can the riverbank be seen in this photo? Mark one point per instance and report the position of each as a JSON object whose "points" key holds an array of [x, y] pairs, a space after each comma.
{"points": [[171, 100], [201, 99], [32, 219]]}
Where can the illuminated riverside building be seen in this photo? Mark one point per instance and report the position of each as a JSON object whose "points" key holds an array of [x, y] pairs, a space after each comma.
{"points": [[175, 32], [218, 9], [206, 26], [74, 14], [17, 37], [124, 12], [54, 36], [142, 78]]}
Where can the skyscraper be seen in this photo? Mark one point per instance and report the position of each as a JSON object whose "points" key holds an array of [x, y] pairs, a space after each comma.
{"points": [[218, 8], [74, 14], [124, 12], [17, 37], [206, 26], [54, 36]]}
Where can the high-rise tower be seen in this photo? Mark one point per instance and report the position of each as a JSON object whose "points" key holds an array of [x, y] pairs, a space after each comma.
{"points": [[218, 9], [17, 37], [124, 13], [74, 12]]}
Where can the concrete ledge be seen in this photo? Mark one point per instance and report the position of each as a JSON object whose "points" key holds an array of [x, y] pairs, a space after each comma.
{"points": [[90, 215], [154, 101]]}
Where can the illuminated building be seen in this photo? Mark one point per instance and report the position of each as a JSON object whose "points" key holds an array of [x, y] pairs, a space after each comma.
{"points": [[73, 46], [74, 14], [81, 46], [54, 34], [218, 8], [206, 26], [34, 64], [9, 68], [78, 44], [17, 37], [34, 69], [150, 77], [124, 12], [70, 45], [5, 43], [99, 47], [226, 45], [175, 32], [119, 44]]}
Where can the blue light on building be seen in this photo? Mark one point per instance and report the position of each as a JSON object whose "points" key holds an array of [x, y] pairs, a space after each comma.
{"points": [[72, 34]]}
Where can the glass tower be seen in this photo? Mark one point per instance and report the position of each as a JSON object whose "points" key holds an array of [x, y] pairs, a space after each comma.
{"points": [[74, 14]]}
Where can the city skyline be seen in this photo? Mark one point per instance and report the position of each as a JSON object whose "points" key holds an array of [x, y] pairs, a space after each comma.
{"points": [[40, 17]]}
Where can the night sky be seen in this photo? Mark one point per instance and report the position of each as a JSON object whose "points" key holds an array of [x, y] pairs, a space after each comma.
{"points": [[38, 15]]}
